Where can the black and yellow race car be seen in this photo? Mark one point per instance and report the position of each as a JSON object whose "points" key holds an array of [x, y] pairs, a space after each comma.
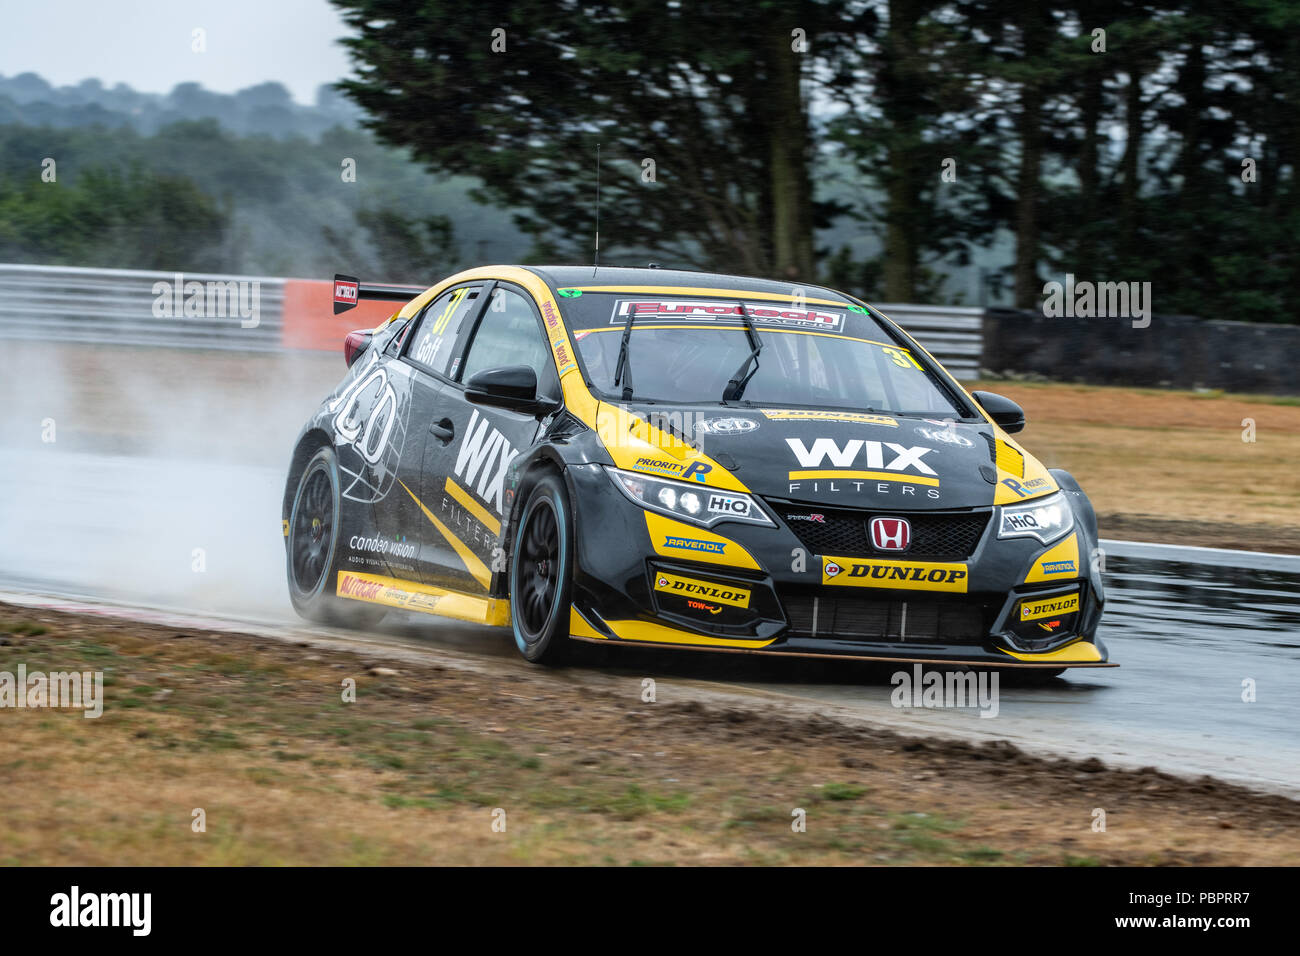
{"points": [[651, 457]]}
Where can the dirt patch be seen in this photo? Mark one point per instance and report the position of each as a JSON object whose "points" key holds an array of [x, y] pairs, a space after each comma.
{"points": [[256, 734]]}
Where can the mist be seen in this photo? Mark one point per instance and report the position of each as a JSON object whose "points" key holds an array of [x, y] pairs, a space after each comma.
{"points": [[152, 475]]}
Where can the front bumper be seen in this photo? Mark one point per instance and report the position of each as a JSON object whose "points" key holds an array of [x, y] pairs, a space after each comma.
{"points": [[767, 594]]}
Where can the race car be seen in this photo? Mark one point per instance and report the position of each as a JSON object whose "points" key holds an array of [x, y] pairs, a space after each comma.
{"points": [[644, 457]]}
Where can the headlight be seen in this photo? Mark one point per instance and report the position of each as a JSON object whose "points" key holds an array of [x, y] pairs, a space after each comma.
{"points": [[1045, 520], [687, 501]]}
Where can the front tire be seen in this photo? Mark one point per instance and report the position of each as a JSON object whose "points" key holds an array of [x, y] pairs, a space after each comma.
{"points": [[541, 572], [311, 555]]}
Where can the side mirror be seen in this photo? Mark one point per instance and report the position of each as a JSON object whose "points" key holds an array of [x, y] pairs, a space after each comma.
{"points": [[513, 387], [1008, 415]]}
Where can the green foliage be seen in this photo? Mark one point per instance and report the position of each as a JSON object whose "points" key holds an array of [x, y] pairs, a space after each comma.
{"points": [[194, 196], [114, 218]]}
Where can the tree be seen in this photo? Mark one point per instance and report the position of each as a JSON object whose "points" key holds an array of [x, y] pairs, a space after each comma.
{"points": [[106, 218], [701, 112], [909, 130]]}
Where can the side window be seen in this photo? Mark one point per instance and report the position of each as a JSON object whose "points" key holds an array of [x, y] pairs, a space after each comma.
{"points": [[438, 327], [395, 343], [509, 334]]}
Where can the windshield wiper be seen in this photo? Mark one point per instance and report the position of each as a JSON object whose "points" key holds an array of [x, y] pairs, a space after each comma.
{"points": [[623, 369], [736, 384]]}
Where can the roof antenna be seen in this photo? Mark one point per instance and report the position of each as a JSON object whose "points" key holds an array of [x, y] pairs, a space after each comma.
{"points": [[596, 264]]}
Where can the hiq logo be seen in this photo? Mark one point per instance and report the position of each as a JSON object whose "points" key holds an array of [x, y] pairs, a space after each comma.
{"points": [[727, 505], [1019, 521]]}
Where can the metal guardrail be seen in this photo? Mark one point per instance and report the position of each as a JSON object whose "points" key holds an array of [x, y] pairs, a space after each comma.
{"points": [[952, 334], [117, 307]]}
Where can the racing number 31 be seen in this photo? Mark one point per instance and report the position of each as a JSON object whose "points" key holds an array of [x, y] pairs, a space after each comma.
{"points": [[431, 342], [899, 357]]}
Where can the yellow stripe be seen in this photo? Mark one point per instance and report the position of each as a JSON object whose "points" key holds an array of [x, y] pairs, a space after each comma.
{"points": [[1080, 652], [486, 517], [472, 563], [1067, 552], [579, 627], [1010, 460], [426, 599], [809, 415], [661, 634], [577, 399], [1031, 470], [662, 530], [704, 326], [628, 438], [868, 475], [715, 293]]}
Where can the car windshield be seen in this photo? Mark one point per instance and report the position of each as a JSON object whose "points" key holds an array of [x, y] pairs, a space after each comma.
{"points": [[672, 361]]}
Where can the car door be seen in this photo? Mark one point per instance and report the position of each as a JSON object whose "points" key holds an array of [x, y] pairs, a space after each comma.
{"points": [[466, 464], [412, 544], [370, 421]]}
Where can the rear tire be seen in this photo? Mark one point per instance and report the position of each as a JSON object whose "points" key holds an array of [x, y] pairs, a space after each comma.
{"points": [[311, 553], [541, 572]]}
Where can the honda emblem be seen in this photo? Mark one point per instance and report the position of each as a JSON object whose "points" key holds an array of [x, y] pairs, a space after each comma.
{"points": [[890, 534]]}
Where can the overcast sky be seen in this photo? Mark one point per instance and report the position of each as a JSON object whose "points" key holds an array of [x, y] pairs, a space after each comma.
{"points": [[147, 43]]}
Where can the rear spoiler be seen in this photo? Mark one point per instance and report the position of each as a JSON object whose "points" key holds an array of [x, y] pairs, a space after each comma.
{"points": [[348, 291]]}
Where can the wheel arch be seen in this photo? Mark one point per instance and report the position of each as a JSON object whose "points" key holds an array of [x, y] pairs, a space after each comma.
{"points": [[310, 442], [546, 461]]}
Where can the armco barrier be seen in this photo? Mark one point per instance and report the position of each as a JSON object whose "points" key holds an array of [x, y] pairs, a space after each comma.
{"points": [[122, 307], [952, 334], [117, 306]]}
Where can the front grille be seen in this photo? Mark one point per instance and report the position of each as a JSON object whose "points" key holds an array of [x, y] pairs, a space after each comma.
{"points": [[920, 621], [936, 535]]}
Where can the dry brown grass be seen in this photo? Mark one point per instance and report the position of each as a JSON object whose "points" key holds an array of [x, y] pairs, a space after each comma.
{"points": [[255, 733], [1175, 457]]}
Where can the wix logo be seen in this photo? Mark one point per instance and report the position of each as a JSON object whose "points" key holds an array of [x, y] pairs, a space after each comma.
{"points": [[485, 455], [827, 448]]}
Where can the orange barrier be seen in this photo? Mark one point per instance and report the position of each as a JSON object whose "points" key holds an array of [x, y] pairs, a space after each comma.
{"points": [[308, 320]]}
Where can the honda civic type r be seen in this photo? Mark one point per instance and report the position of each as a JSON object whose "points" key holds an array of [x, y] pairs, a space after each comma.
{"points": [[646, 457]]}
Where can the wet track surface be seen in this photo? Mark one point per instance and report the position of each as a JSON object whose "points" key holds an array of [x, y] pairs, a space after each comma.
{"points": [[1188, 626]]}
